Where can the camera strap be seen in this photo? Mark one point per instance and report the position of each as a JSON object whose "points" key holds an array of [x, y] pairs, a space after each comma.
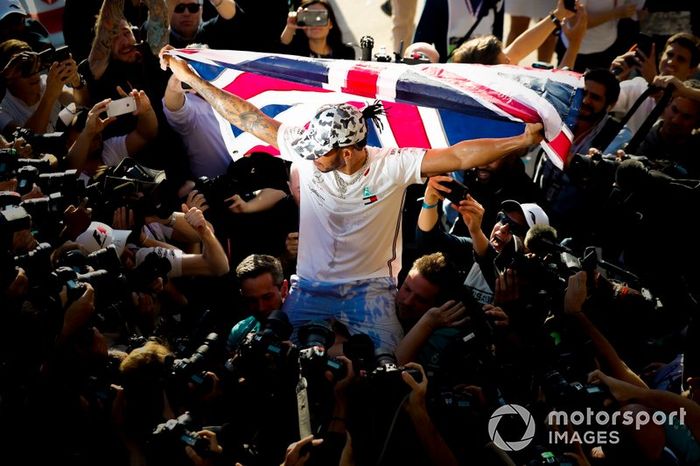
{"points": [[613, 126], [303, 408]]}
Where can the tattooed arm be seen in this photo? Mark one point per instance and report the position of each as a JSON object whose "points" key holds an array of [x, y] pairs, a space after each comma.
{"points": [[158, 25], [106, 29], [237, 111]]}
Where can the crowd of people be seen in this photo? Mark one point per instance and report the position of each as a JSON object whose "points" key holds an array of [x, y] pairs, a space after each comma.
{"points": [[343, 304]]}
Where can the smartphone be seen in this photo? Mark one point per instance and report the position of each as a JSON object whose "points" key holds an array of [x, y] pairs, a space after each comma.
{"points": [[458, 191], [121, 106], [542, 65], [644, 44], [570, 5], [312, 18]]}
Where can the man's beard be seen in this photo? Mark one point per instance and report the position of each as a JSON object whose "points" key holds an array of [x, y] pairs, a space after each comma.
{"points": [[591, 116]]}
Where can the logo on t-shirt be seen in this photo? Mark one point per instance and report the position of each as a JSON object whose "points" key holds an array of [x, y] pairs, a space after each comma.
{"points": [[368, 197]]}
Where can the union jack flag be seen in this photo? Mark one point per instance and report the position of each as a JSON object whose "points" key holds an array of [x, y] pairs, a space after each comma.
{"points": [[427, 105]]}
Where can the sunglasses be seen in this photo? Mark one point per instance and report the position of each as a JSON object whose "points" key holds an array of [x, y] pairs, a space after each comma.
{"points": [[514, 227], [191, 7]]}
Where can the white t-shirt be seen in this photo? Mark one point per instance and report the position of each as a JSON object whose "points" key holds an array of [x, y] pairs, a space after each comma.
{"points": [[355, 235], [14, 109], [601, 37], [174, 256], [630, 90], [114, 150]]}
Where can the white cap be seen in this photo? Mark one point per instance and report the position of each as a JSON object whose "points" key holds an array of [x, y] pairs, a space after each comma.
{"points": [[534, 214], [11, 6], [99, 235]]}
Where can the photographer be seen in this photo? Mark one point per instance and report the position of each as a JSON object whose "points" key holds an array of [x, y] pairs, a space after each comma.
{"points": [[672, 143], [33, 99], [318, 41], [679, 59], [88, 150]]}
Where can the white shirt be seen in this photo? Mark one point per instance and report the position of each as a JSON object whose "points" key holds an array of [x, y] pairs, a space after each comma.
{"points": [[601, 37], [630, 90], [355, 235], [14, 109]]}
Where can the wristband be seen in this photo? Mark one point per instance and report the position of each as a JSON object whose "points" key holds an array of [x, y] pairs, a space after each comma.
{"points": [[430, 206], [553, 18]]}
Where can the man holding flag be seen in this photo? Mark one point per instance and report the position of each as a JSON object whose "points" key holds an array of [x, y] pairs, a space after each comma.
{"points": [[350, 199]]}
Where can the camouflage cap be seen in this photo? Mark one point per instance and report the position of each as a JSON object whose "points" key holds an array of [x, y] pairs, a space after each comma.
{"points": [[333, 126]]}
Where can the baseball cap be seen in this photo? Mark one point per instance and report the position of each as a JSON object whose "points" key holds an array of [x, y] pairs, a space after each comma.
{"points": [[333, 126], [11, 6], [99, 235], [534, 214]]}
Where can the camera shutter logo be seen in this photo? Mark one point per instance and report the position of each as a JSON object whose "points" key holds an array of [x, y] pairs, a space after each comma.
{"points": [[529, 429]]}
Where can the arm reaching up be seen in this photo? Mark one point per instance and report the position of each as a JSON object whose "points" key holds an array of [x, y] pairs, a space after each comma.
{"points": [[237, 111]]}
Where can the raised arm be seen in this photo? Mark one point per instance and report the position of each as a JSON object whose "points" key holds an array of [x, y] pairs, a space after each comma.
{"points": [[576, 294], [107, 28], [237, 111], [532, 38], [225, 8], [476, 152], [158, 26]]}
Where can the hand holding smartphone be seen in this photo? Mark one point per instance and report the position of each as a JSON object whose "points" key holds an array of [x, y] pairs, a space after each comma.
{"points": [[458, 191], [121, 106]]}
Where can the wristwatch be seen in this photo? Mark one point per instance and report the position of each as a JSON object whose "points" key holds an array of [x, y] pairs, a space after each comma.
{"points": [[171, 220]]}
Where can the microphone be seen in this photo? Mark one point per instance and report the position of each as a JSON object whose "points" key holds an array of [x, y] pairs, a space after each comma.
{"points": [[542, 240]]}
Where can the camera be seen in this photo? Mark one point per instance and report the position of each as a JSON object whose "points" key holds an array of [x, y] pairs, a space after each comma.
{"points": [[45, 143], [562, 393], [219, 188], [37, 262], [51, 55], [315, 338], [9, 199], [190, 369], [47, 214], [262, 355], [26, 176], [168, 440], [387, 374]]}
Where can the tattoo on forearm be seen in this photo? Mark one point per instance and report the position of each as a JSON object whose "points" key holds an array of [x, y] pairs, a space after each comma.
{"points": [[239, 112], [106, 29], [158, 24]]}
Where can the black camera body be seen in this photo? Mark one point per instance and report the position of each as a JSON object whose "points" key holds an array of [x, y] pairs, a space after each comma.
{"points": [[190, 369], [563, 393], [51, 55], [45, 143], [175, 434], [217, 189]]}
